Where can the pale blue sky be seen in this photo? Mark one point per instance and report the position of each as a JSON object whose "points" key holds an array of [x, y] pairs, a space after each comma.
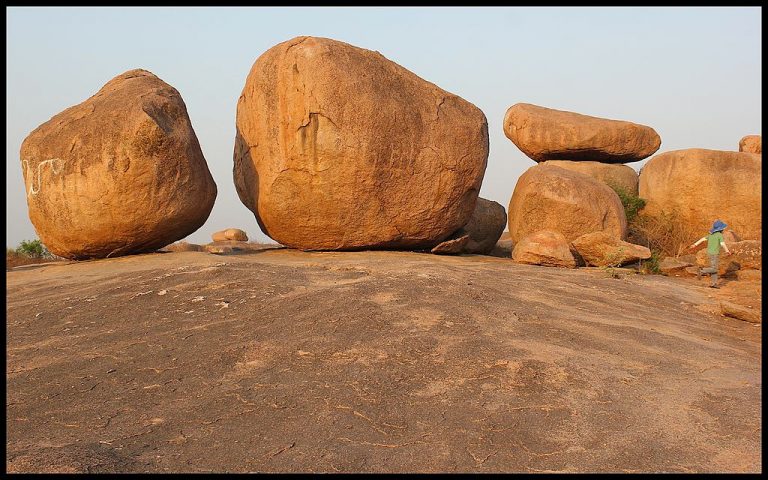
{"points": [[693, 74]]}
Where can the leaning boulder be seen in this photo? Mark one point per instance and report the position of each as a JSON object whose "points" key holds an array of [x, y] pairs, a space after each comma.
{"points": [[120, 173], [547, 197], [751, 144], [599, 249], [548, 134], [234, 234], [339, 148], [615, 176], [546, 247], [454, 245], [699, 186], [485, 226]]}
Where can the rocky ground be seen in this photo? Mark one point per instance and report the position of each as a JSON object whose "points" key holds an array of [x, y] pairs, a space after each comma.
{"points": [[284, 361]]}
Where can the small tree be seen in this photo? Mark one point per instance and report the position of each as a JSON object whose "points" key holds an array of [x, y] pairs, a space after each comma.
{"points": [[33, 249]]}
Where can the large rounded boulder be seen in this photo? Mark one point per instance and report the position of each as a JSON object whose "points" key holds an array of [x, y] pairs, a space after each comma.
{"points": [[613, 175], [548, 134], [339, 148], [120, 173], [698, 186], [547, 197]]}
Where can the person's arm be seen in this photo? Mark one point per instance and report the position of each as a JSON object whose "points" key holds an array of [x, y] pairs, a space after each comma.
{"points": [[702, 239], [725, 247]]}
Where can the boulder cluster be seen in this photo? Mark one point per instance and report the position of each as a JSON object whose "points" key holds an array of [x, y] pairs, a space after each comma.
{"points": [[338, 148]]}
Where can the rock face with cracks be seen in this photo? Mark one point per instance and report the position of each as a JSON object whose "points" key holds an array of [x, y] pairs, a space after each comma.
{"points": [[701, 186], [547, 197], [120, 173], [339, 148], [548, 134]]}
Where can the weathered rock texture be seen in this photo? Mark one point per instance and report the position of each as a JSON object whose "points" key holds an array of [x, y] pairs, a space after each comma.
{"points": [[339, 148], [751, 144], [547, 197], [610, 174], [230, 234], [120, 173], [547, 134], [699, 186], [485, 226], [454, 245], [545, 247], [747, 254], [600, 249]]}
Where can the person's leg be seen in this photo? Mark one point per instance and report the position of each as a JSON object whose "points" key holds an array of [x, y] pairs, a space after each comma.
{"points": [[713, 261]]}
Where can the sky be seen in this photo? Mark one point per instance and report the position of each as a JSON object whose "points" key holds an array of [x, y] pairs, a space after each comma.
{"points": [[691, 73]]}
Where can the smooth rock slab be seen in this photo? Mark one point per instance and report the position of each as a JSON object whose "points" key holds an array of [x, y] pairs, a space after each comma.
{"points": [[120, 173], [339, 148], [548, 134]]}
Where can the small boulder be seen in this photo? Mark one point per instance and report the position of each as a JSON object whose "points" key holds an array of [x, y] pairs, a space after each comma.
{"points": [[602, 250], [673, 266], [548, 197], [230, 234], [453, 246], [548, 134], [183, 247], [739, 312], [485, 226], [546, 247], [751, 144]]}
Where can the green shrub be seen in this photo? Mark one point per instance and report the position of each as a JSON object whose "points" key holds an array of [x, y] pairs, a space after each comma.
{"points": [[631, 202], [651, 266], [32, 249]]}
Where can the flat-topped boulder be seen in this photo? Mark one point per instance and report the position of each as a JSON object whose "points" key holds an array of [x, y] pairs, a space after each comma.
{"points": [[548, 134], [339, 148], [120, 173], [699, 186], [545, 247], [234, 234], [613, 175], [547, 197]]}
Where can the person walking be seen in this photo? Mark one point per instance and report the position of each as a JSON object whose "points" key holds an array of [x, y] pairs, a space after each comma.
{"points": [[714, 241]]}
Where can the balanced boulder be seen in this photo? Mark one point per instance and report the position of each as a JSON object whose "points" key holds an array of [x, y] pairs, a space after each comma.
{"points": [[230, 234], [600, 249], [547, 197], [545, 247], [547, 134], [698, 186], [751, 144], [120, 173], [339, 148], [615, 176], [485, 226]]}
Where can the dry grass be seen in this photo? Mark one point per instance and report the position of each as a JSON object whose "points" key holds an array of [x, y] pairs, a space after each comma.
{"points": [[663, 233], [13, 259]]}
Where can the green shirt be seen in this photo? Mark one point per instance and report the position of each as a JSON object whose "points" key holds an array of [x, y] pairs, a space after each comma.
{"points": [[713, 243]]}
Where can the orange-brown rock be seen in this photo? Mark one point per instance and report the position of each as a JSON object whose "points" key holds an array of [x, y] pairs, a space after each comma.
{"points": [[453, 245], [610, 174], [545, 247], [183, 247], [230, 234], [600, 249], [751, 144], [548, 134], [485, 226], [747, 254], [339, 148], [120, 173], [698, 186], [547, 197]]}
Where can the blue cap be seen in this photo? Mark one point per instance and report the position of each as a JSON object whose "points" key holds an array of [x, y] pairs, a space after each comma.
{"points": [[717, 226]]}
